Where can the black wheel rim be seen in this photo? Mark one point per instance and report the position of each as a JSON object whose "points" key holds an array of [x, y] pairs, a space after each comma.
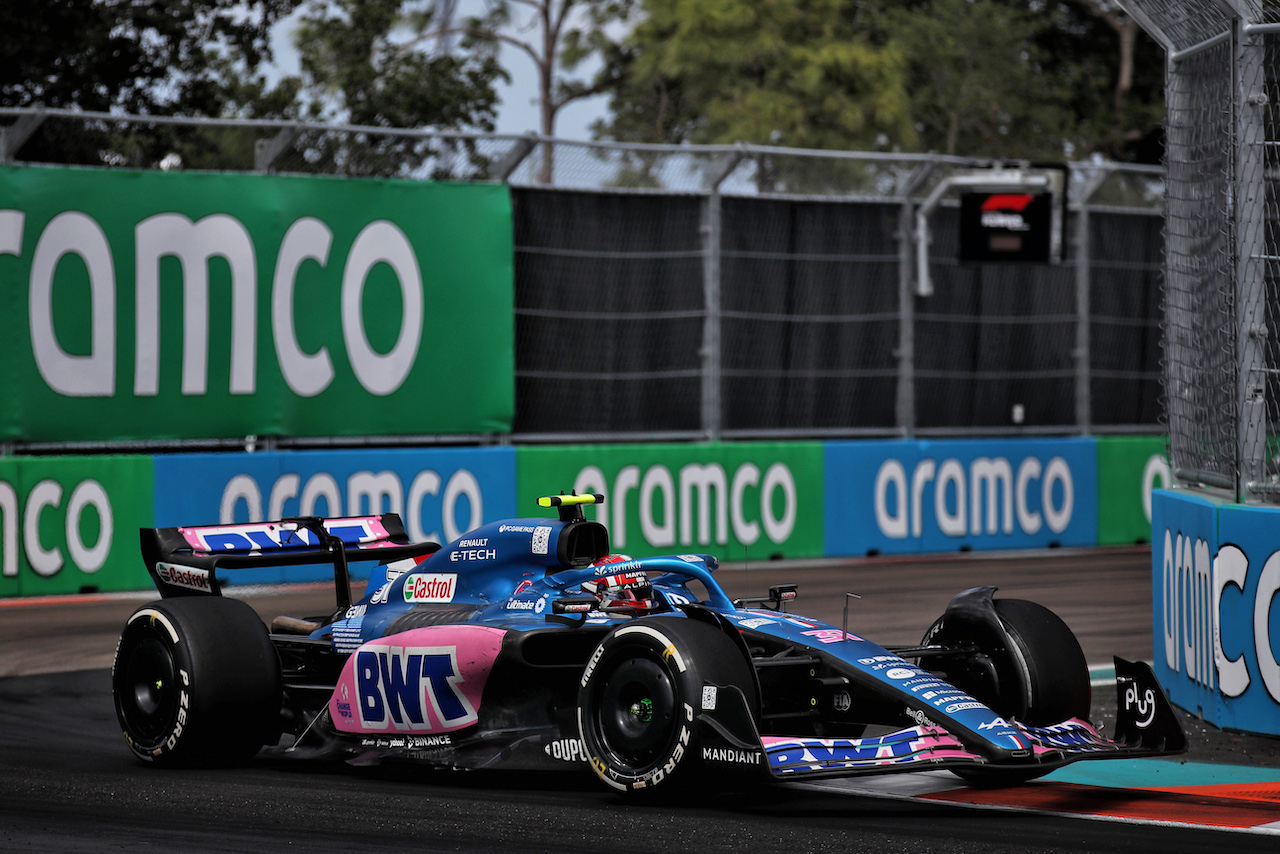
{"points": [[148, 691], [635, 712]]}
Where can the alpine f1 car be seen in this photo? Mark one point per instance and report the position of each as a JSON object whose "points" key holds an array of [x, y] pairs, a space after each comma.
{"points": [[526, 644]]}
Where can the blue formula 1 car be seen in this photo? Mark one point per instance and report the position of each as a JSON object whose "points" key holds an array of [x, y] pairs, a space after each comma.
{"points": [[527, 644]]}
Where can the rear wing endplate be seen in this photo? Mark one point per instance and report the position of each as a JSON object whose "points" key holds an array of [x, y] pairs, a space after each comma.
{"points": [[185, 561]]}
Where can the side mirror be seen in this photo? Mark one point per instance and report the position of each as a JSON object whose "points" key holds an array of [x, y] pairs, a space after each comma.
{"points": [[780, 593], [574, 605], [577, 606]]}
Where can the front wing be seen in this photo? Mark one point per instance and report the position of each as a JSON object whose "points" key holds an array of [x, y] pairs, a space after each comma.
{"points": [[909, 749], [1146, 726]]}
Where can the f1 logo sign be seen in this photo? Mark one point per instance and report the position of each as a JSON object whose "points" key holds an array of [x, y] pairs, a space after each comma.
{"points": [[1016, 202]]}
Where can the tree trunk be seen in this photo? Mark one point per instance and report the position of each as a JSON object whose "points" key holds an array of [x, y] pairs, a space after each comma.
{"points": [[1128, 31], [546, 94]]}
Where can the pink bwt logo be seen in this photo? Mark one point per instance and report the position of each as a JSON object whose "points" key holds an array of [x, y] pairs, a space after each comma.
{"points": [[425, 680]]}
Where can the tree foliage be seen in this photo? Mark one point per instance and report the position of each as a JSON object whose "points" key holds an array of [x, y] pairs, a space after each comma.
{"points": [[362, 60], [1006, 78], [556, 36], [375, 62], [155, 58], [1114, 74], [379, 63], [196, 58], [1003, 78], [804, 73], [977, 79]]}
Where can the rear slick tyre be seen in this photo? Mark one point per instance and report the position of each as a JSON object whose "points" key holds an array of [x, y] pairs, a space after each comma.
{"points": [[196, 681]]}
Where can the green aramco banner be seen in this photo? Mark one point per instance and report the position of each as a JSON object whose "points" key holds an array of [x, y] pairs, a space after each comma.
{"points": [[738, 501], [158, 305]]}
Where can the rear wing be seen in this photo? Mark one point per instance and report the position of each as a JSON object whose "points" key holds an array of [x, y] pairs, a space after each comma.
{"points": [[185, 561]]}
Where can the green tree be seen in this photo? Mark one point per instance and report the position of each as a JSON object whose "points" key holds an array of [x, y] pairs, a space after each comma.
{"points": [[804, 73], [156, 58], [1004, 78], [196, 58], [556, 36], [1126, 30], [1077, 77], [978, 81], [373, 62], [1114, 72], [363, 62]]}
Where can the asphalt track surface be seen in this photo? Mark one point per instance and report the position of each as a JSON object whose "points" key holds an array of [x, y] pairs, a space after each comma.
{"points": [[68, 783]]}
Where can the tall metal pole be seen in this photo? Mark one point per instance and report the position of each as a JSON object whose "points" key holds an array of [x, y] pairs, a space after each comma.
{"points": [[1084, 304], [711, 322], [905, 409], [1251, 253], [712, 388]]}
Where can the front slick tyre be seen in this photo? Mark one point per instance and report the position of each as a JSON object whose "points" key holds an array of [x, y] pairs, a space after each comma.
{"points": [[1043, 677], [196, 681], [638, 700]]}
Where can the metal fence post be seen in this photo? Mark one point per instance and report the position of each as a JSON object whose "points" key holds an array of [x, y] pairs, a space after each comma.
{"points": [[710, 350], [1179, 386], [506, 166], [16, 135], [1251, 249], [906, 353], [1084, 304], [712, 388], [267, 151]]}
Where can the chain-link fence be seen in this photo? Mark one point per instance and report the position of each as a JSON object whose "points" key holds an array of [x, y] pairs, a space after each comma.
{"points": [[744, 291], [1221, 300], [749, 292]]}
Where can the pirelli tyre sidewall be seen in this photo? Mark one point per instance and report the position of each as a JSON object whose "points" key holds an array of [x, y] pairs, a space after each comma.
{"points": [[1041, 670], [196, 681], [638, 700], [1042, 673]]}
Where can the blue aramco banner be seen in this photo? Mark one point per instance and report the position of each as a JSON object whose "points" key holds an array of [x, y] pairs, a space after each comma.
{"points": [[899, 497], [441, 493], [1216, 627]]}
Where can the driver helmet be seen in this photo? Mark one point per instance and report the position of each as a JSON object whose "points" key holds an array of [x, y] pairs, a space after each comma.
{"points": [[622, 590]]}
